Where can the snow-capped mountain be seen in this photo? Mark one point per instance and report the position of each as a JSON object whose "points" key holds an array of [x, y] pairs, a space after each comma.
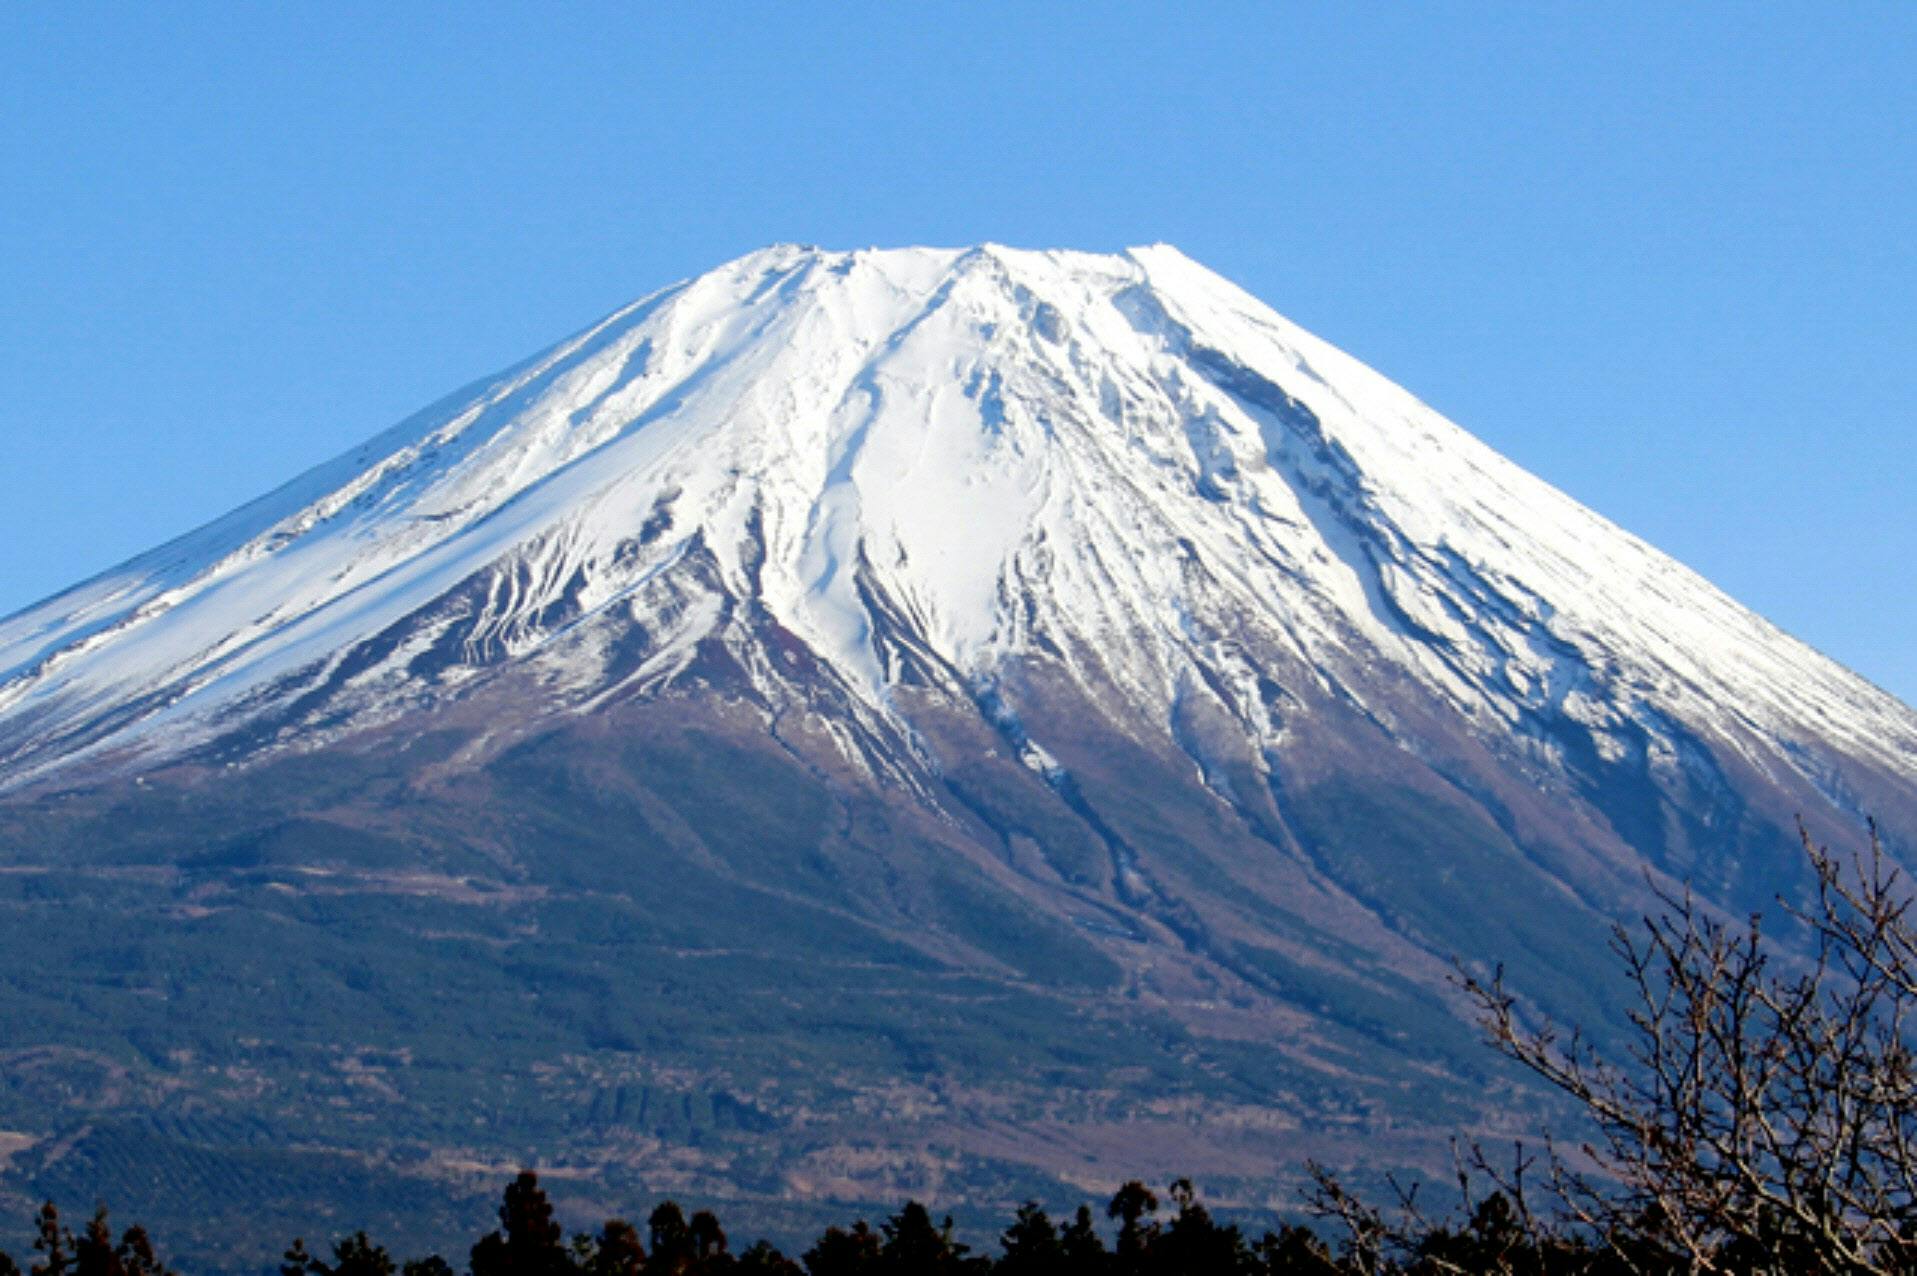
{"points": [[1036, 706], [932, 465]]}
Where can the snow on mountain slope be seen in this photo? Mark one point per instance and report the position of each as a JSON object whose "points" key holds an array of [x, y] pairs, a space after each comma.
{"points": [[950, 457]]}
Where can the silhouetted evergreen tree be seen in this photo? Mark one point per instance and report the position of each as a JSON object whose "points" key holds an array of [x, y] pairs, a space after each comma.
{"points": [[358, 1256], [763, 1260], [489, 1257], [1195, 1244], [54, 1243], [844, 1253], [616, 1251], [913, 1245], [355, 1255], [671, 1241], [1031, 1245], [136, 1254], [1083, 1249], [93, 1253], [1494, 1239], [708, 1241], [529, 1240], [296, 1261], [1129, 1205], [432, 1265]]}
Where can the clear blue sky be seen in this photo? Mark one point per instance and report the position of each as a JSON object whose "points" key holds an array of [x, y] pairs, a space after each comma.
{"points": [[1664, 256]]}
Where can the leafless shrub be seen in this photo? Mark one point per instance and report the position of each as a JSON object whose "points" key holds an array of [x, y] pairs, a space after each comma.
{"points": [[1761, 1119]]}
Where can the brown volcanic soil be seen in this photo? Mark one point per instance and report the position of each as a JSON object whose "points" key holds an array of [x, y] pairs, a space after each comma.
{"points": [[688, 944]]}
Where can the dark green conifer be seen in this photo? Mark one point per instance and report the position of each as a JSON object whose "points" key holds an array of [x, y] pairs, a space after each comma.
{"points": [[616, 1251], [296, 1261], [431, 1265], [136, 1254], [357, 1255], [354, 1255], [708, 1242], [671, 1241], [1194, 1243], [760, 1260], [529, 1242], [1129, 1205], [1083, 1249], [93, 1252], [54, 1243], [844, 1253], [912, 1244], [1031, 1244]]}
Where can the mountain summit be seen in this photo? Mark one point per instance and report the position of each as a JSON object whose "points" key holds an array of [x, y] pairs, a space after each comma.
{"points": [[1122, 700], [932, 468]]}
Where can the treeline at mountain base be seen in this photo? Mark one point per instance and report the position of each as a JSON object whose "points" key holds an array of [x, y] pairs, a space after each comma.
{"points": [[1140, 1234]]}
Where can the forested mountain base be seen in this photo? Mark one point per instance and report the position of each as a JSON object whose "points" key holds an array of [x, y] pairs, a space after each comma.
{"points": [[1763, 1121]]}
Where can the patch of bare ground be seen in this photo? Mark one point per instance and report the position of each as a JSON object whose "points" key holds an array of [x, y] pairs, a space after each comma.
{"points": [[427, 885], [862, 1171]]}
